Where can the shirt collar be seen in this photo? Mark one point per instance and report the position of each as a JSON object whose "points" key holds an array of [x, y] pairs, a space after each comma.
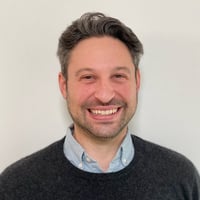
{"points": [[72, 149]]}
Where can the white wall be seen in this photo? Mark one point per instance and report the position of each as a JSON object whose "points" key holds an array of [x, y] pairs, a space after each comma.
{"points": [[32, 111]]}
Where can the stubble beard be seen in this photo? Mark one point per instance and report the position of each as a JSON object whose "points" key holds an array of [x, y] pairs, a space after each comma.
{"points": [[103, 131]]}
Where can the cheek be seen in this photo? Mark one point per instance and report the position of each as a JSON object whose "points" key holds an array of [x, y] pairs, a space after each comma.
{"points": [[79, 93], [128, 92]]}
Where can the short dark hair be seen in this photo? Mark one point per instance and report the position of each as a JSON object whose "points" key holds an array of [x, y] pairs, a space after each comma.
{"points": [[96, 25]]}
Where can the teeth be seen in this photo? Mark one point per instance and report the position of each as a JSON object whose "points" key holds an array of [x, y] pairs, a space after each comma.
{"points": [[104, 112]]}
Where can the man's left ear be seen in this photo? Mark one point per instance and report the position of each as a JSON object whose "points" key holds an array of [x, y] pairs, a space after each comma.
{"points": [[137, 76], [62, 85]]}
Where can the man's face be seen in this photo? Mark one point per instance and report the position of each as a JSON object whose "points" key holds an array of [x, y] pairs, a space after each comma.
{"points": [[101, 87]]}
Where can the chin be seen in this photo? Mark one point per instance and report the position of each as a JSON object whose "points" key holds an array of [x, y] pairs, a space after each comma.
{"points": [[107, 133]]}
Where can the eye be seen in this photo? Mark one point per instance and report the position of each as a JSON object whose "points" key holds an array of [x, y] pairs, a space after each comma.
{"points": [[87, 78], [120, 76]]}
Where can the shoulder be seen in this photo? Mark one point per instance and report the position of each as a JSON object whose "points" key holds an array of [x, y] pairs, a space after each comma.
{"points": [[32, 167], [46, 154], [161, 155], [165, 164]]}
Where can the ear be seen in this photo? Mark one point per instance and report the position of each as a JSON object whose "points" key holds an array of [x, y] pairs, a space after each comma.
{"points": [[137, 77], [62, 85]]}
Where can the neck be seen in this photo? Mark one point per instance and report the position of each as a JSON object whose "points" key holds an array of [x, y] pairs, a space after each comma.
{"points": [[100, 149]]}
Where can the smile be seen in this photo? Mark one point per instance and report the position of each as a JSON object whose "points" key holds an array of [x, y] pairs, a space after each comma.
{"points": [[104, 112]]}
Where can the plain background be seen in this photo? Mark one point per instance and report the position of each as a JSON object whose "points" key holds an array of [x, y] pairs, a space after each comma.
{"points": [[32, 111]]}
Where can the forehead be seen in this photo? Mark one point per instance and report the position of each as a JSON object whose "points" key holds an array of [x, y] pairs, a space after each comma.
{"points": [[99, 52]]}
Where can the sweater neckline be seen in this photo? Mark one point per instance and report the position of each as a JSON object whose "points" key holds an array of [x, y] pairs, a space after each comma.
{"points": [[68, 166]]}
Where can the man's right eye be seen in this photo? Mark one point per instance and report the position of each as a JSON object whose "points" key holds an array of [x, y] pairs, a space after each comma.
{"points": [[87, 78]]}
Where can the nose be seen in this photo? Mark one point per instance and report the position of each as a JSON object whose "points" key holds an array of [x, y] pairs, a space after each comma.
{"points": [[104, 91]]}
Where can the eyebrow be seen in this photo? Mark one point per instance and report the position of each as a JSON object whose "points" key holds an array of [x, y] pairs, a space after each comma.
{"points": [[92, 70], [83, 70], [122, 68]]}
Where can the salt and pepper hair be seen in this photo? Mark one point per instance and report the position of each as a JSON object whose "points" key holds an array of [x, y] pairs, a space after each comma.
{"points": [[96, 25]]}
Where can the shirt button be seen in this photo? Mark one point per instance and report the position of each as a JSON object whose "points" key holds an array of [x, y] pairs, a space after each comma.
{"points": [[80, 165], [124, 161], [88, 159]]}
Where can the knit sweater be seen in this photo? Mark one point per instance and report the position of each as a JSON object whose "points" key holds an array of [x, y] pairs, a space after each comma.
{"points": [[155, 173]]}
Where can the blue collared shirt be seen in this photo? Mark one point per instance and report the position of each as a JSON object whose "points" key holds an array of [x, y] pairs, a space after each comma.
{"points": [[76, 154]]}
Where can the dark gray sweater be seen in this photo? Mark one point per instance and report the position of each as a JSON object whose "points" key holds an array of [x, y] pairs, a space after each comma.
{"points": [[155, 173]]}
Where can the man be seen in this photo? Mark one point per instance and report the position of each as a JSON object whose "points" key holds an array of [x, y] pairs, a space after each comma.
{"points": [[99, 158]]}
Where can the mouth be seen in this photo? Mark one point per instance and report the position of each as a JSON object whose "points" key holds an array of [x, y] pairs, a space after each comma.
{"points": [[104, 112]]}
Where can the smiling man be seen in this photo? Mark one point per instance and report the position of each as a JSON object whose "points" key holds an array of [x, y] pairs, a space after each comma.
{"points": [[100, 158], [106, 81]]}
